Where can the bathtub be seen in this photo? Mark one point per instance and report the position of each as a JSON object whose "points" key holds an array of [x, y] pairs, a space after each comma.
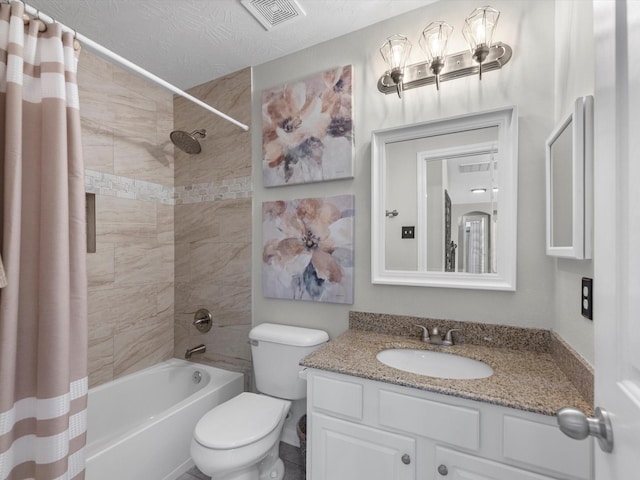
{"points": [[139, 427]]}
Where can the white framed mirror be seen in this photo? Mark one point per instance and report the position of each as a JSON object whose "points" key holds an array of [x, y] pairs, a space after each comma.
{"points": [[569, 179], [444, 202]]}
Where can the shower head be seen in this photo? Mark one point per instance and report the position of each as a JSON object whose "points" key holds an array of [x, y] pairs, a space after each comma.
{"points": [[187, 142]]}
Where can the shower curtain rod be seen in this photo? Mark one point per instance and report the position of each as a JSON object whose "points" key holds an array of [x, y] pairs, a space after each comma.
{"points": [[96, 47]]}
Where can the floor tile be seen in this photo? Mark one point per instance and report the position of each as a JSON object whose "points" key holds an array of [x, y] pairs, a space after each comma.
{"points": [[187, 476], [194, 472], [292, 458], [291, 454], [293, 471]]}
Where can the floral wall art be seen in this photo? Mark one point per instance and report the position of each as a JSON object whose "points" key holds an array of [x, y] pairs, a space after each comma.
{"points": [[308, 249], [307, 129]]}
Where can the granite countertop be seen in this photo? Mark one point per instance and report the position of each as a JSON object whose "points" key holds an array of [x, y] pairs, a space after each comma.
{"points": [[525, 380]]}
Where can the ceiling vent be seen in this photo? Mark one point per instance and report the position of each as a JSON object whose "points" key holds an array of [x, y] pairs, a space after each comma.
{"points": [[274, 13]]}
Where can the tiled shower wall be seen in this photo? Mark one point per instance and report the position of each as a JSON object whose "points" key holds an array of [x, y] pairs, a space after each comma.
{"points": [[213, 192], [126, 123]]}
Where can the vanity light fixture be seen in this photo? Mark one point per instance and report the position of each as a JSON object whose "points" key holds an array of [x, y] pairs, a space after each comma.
{"points": [[395, 52], [483, 56], [478, 31], [478, 190], [433, 41]]}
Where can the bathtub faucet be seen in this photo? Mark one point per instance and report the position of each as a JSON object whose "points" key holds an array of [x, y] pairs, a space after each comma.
{"points": [[191, 351]]}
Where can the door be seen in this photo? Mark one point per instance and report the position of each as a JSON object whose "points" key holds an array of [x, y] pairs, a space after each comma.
{"points": [[617, 232]]}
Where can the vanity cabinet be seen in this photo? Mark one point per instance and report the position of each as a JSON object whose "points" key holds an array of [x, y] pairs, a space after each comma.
{"points": [[364, 429]]}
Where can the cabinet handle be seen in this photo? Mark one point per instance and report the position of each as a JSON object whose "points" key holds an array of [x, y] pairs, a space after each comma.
{"points": [[406, 459], [443, 470]]}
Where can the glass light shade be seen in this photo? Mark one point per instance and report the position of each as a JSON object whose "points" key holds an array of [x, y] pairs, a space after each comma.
{"points": [[395, 52], [479, 27], [434, 40]]}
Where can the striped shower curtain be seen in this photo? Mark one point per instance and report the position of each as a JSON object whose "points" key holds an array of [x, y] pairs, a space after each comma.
{"points": [[43, 319]]}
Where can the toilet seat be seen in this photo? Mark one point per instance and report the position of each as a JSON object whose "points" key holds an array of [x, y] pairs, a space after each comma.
{"points": [[240, 421]]}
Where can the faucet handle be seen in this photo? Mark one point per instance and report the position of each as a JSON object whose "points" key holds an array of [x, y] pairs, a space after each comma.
{"points": [[425, 333], [448, 339]]}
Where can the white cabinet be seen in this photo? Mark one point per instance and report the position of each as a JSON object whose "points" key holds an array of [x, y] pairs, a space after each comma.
{"points": [[347, 451], [369, 430]]}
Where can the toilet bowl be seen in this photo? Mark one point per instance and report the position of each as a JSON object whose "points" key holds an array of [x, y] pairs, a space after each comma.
{"points": [[239, 439]]}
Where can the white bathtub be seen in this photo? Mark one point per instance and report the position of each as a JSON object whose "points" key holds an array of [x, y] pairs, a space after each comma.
{"points": [[139, 427]]}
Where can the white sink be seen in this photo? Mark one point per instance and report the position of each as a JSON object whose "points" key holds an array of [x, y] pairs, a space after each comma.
{"points": [[434, 364]]}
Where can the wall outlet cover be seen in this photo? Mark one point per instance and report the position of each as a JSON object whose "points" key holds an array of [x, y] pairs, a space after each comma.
{"points": [[587, 298], [408, 232]]}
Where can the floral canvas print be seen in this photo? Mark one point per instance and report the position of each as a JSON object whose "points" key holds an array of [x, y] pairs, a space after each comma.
{"points": [[308, 249], [307, 129]]}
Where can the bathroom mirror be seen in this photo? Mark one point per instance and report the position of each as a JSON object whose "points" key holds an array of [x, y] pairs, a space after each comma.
{"points": [[569, 178], [444, 202]]}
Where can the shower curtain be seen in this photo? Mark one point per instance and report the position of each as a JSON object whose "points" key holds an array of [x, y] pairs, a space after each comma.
{"points": [[43, 319]]}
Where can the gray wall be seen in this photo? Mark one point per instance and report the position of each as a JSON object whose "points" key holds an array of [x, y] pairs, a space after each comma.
{"points": [[574, 77], [526, 26]]}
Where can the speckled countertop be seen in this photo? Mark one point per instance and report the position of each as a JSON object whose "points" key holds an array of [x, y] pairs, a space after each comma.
{"points": [[522, 379]]}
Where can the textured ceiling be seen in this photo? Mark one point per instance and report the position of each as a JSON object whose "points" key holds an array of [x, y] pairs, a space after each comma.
{"points": [[189, 42]]}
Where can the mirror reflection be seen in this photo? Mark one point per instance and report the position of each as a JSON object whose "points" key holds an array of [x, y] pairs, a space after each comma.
{"points": [[561, 188], [444, 202], [454, 202]]}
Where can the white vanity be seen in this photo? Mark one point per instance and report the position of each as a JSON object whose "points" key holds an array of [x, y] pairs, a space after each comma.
{"points": [[363, 428]]}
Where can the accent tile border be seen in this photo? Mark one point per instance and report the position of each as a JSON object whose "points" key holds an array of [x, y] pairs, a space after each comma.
{"points": [[229, 189], [112, 185]]}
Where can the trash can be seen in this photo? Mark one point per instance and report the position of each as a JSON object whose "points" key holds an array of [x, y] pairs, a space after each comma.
{"points": [[301, 428]]}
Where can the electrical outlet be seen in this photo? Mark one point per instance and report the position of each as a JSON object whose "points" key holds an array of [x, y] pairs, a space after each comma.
{"points": [[587, 298], [408, 232]]}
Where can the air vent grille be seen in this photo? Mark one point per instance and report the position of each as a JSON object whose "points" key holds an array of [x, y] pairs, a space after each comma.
{"points": [[474, 167], [274, 13]]}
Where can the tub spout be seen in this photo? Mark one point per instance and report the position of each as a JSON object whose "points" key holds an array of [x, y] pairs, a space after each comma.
{"points": [[191, 351]]}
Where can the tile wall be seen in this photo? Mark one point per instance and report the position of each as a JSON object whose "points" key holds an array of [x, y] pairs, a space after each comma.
{"points": [[129, 166], [213, 193]]}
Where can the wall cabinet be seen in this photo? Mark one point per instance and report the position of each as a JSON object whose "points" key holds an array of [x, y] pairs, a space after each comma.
{"points": [[363, 429]]}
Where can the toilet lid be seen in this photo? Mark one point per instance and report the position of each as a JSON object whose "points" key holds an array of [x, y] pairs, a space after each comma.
{"points": [[240, 421]]}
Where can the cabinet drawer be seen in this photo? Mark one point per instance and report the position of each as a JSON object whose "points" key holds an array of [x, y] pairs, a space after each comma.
{"points": [[455, 425], [337, 396], [459, 466], [546, 446]]}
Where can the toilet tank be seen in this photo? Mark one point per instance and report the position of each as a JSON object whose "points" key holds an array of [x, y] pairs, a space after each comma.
{"points": [[276, 351]]}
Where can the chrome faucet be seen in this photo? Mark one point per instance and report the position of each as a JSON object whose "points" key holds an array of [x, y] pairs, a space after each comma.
{"points": [[425, 334], [190, 351], [448, 339], [435, 338]]}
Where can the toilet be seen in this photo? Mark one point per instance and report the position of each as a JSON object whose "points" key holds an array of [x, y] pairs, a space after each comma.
{"points": [[239, 439]]}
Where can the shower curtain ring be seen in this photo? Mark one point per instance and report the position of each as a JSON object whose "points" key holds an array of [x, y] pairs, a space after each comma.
{"points": [[76, 42]]}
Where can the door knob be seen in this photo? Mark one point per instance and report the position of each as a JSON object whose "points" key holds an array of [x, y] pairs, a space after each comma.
{"points": [[575, 424]]}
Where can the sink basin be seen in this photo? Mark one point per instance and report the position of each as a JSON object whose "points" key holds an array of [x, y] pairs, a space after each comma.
{"points": [[434, 364]]}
